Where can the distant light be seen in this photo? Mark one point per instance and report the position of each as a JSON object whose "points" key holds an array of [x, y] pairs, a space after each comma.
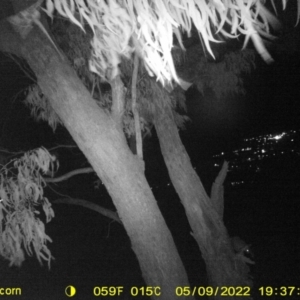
{"points": [[277, 137], [237, 182]]}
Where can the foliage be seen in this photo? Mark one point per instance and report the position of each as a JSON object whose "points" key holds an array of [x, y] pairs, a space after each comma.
{"points": [[40, 107], [225, 77], [21, 195], [152, 97], [114, 30], [147, 27], [76, 46]]}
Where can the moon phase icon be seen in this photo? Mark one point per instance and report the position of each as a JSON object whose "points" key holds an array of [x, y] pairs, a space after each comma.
{"points": [[70, 291]]}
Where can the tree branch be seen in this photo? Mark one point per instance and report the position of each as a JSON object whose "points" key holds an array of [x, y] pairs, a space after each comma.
{"points": [[217, 190], [87, 204], [137, 125], [70, 174], [118, 99]]}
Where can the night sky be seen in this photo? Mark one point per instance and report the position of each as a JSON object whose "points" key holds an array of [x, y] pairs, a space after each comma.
{"points": [[90, 250]]}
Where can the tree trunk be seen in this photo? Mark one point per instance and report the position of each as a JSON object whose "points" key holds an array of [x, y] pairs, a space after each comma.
{"points": [[102, 141], [208, 228]]}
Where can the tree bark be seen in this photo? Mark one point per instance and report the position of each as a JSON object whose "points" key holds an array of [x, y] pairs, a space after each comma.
{"points": [[102, 141], [208, 228]]}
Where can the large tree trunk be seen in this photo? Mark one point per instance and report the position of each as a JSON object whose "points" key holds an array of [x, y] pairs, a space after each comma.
{"points": [[207, 225], [102, 141]]}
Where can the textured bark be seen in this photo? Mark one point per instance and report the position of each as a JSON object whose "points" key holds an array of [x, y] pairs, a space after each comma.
{"points": [[208, 228], [102, 141]]}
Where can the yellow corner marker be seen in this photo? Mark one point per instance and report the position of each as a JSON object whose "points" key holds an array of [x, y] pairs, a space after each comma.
{"points": [[70, 291]]}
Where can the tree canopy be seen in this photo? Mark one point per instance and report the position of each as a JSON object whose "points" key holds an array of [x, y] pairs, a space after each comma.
{"points": [[147, 28]]}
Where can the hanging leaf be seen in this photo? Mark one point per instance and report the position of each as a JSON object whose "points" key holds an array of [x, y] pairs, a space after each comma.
{"points": [[20, 228]]}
